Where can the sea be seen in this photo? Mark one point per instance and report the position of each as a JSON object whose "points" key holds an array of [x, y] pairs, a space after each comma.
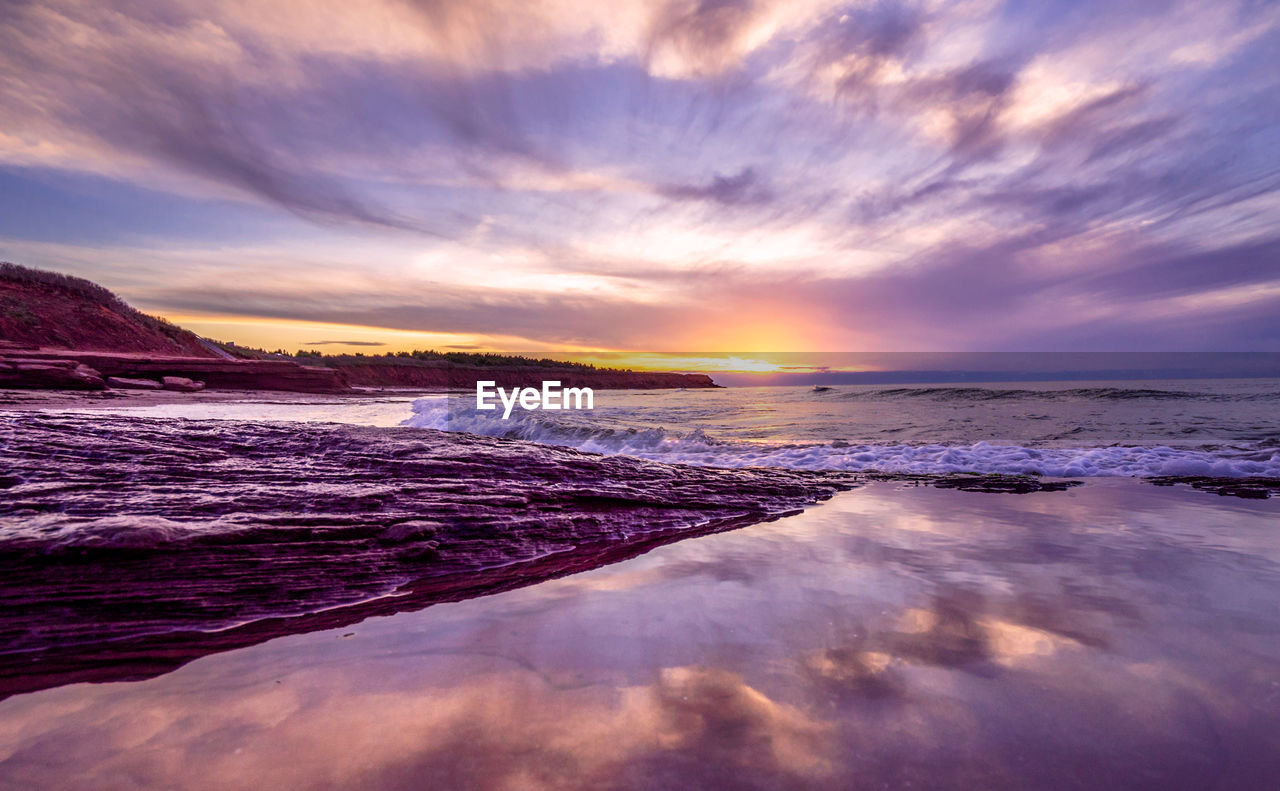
{"points": [[1211, 427], [1072, 429]]}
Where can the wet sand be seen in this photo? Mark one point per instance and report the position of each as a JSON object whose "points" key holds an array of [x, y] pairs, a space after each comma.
{"points": [[1116, 635]]}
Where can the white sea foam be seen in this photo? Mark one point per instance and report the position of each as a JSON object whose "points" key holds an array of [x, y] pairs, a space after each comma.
{"points": [[696, 447]]}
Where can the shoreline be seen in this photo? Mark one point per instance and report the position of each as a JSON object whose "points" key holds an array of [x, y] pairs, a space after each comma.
{"points": [[335, 523], [82, 369], [308, 518], [223, 522]]}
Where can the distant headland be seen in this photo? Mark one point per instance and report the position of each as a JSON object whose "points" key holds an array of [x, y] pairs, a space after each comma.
{"points": [[67, 333]]}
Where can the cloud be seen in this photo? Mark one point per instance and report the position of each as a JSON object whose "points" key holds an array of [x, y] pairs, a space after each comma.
{"points": [[345, 343], [673, 165], [178, 94], [704, 36], [570, 319], [743, 187], [857, 50], [1013, 294]]}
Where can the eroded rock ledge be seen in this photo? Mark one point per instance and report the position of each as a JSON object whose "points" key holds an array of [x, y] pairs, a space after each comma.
{"points": [[1254, 488], [126, 542]]}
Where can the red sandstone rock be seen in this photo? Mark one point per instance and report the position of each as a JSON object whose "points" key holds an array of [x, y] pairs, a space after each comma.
{"points": [[123, 383], [217, 374], [52, 375], [390, 374], [49, 313], [181, 384]]}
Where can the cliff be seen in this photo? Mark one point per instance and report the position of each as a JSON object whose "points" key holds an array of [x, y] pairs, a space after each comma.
{"points": [[41, 309], [410, 374]]}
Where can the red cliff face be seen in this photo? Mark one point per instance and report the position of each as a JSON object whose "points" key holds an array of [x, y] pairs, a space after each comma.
{"points": [[465, 377]]}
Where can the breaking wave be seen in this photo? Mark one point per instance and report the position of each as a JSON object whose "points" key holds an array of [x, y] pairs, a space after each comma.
{"points": [[699, 448]]}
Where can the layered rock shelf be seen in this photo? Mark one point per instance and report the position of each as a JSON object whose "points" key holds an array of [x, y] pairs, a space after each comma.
{"points": [[129, 545], [46, 374], [122, 537], [91, 370]]}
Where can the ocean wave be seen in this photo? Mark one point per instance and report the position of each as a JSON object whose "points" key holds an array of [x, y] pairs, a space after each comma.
{"points": [[696, 447]]}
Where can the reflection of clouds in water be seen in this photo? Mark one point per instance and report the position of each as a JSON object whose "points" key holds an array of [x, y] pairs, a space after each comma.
{"points": [[500, 730], [712, 727], [940, 638], [963, 630], [843, 672]]}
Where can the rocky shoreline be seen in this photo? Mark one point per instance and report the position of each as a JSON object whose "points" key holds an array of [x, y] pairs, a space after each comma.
{"points": [[130, 545], [91, 370], [115, 530], [1252, 488]]}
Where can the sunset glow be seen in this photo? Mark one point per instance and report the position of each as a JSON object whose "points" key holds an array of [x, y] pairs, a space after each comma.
{"points": [[666, 176]]}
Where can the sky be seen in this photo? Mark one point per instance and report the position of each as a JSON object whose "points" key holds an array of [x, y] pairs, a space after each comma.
{"points": [[691, 175]]}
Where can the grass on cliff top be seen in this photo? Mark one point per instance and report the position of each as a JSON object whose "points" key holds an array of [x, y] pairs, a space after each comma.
{"points": [[87, 291]]}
